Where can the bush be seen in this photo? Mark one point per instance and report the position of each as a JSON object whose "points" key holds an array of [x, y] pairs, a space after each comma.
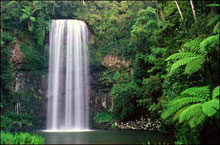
{"points": [[20, 138], [11, 122], [104, 116], [124, 96]]}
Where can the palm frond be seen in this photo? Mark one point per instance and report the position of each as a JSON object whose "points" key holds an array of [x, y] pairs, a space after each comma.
{"points": [[215, 92], [189, 112], [202, 92], [194, 65], [210, 107]]}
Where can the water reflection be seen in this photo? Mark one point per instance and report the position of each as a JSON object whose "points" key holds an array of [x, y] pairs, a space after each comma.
{"points": [[105, 137]]}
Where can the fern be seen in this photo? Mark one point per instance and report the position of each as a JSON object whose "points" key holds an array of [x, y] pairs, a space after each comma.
{"points": [[193, 45], [180, 63], [215, 92], [193, 106], [194, 65], [181, 55], [197, 119], [211, 41], [189, 112], [198, 91], [210, 107], [216, 28], [213, 20], [177, 114], [175, 105]]}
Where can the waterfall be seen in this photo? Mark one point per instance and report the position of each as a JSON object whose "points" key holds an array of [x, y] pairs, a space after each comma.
{"points": [[68, 87]]}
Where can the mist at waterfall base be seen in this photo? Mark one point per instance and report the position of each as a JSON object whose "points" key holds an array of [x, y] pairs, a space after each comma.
{"points": [[68, 86]]}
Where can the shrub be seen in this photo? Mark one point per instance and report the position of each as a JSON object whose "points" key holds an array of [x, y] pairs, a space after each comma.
{"points": [[104, 116], [124, 96], [20, 138]]}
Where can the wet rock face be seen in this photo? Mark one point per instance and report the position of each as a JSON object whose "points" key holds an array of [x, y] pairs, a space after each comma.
{"points": [[16, 56], [99, 98], [115, 62]]}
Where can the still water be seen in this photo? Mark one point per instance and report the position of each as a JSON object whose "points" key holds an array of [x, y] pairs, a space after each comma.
{"points": [[105, 137]]}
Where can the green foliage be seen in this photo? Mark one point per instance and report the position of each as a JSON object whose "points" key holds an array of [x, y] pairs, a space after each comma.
{"points": [[193, 106], [28, 13], [123, 94], [185, 135], [104, 116], [16, 122], [192, 56], [20, 138]]}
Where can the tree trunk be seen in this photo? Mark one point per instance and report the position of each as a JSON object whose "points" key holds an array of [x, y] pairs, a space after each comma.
{"points": [[181, 14], [193, 9]]}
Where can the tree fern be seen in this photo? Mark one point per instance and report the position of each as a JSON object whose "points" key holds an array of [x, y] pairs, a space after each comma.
{"points": [[195, 105], [210, 107], [192, 57], [216, 28], [215, 92], [189, 112], [197, 119], [197, 91], [209, 43], [177, 114], [175, 105], [181, 55], [213, 20], [194, 65], [193, 45]]}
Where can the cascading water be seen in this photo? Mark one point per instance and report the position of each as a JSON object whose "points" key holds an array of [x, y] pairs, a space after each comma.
{"points": [[68, 89]]}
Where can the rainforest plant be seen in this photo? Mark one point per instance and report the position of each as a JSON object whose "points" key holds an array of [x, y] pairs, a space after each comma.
{"points": [[196, 52], [28, 14], [194, 105]]}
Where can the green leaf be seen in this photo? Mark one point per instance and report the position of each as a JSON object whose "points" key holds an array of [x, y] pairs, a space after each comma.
{"points": [[181, 62], [35, 10], [215, 92], [209, 43], [211, 107], [213, 5], [197, 119], [189, 112], [202, 92], [194, 65], [213, 20], [216, 28], [26, 12], [181, 55], [23, 17], [32, 19]]}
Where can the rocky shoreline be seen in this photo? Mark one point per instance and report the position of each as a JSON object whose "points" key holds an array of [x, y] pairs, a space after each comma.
{"points": [[143, 124]]}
